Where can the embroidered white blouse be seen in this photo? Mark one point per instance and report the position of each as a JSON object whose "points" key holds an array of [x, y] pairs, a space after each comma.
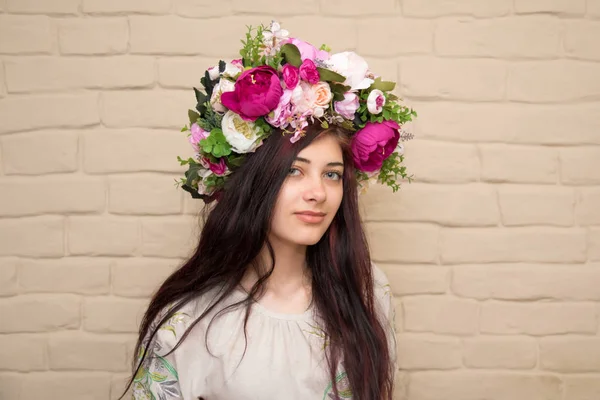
{"points": [[284, 357]]}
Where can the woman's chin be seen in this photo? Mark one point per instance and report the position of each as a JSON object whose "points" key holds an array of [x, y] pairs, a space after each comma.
{"points": [[305, 237], [309, 241]]}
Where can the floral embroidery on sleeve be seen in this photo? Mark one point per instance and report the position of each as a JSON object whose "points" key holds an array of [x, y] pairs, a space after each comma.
{"points": [[343, 386], [157, 378]]}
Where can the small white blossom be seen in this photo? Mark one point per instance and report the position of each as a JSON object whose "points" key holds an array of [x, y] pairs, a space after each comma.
{"points": [[375, 101]]}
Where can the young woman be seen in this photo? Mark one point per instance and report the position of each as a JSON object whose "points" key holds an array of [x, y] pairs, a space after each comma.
{"points": [[280, 299]]}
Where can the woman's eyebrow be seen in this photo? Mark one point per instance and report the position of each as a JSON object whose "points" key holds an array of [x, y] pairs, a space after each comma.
{"points": [[331, 164]]}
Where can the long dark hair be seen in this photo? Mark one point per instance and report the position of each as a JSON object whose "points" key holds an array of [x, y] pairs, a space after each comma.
{"points": [[234, 232]]}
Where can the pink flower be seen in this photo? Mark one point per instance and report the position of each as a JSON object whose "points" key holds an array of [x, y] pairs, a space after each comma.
{"points": [[197, 135], [291, 76], [373, 144], [308, 72], [299, 123], [314, 99], [307, 50], [280, 117], [347, 107], [219, 168], [257, 92]]}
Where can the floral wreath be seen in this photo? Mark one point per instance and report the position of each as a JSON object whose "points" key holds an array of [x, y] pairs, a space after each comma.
{"points": [[282, 82]]}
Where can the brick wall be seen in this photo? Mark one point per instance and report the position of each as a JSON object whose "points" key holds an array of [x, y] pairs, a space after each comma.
{"points": [[493, 252]]}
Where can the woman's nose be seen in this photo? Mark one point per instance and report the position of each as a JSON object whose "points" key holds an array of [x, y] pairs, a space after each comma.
{"points": [[315, 190]]}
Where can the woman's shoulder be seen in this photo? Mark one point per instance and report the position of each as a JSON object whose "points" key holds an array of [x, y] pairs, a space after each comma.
{"points": [[181, 318], [171, 330]]}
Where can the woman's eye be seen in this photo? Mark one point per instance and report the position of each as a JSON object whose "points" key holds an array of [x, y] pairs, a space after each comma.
{"points": [[334, 175], [293, 171]]}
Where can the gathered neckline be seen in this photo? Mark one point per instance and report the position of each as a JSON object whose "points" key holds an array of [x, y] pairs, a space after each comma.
{"points": [[306, 315]]}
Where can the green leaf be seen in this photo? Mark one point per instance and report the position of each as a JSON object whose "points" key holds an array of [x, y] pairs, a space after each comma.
{"points": [[208, 84], [185, 162], [382, 85], [338, 90], [235, 161], [291, 54], [325, 47], [328, 75], [191, 174], [193, 116], [219, 150], [192, 191], [201, 98], [216, 144], [206, 145]]}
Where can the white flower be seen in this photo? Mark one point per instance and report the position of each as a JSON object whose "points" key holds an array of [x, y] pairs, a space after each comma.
{"points": [[240, 134], [232, 70], [375, 101], [224, 85], [203, 173], [273, 37], [213, 73], [202, 189], [275, 32], [353, 67]]}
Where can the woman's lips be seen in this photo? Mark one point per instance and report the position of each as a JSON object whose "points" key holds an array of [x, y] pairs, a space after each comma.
{"points": [[310, 217]]}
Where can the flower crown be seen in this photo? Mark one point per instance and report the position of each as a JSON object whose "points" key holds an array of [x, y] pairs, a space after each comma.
{"points": [[286, 83]]}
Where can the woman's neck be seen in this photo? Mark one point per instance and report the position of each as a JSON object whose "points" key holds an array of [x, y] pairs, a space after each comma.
{"points": [[288, 289]]}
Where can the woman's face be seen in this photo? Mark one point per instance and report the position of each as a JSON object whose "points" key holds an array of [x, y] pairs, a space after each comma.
{"points": [[311, 194]]}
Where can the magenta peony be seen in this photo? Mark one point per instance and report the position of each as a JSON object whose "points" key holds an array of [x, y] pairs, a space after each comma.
{"points": [[374, 143], [257, 92]]}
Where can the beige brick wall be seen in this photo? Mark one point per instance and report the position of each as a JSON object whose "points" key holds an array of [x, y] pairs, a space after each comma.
{"points": [[493, 252]]}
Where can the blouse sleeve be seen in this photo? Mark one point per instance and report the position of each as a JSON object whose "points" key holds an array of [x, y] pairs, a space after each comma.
{"points": [[157, 378], [387, 308]]}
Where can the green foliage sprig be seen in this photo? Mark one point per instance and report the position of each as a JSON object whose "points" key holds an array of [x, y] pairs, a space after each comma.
{"points": [[391, 170], [253, 47]]}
